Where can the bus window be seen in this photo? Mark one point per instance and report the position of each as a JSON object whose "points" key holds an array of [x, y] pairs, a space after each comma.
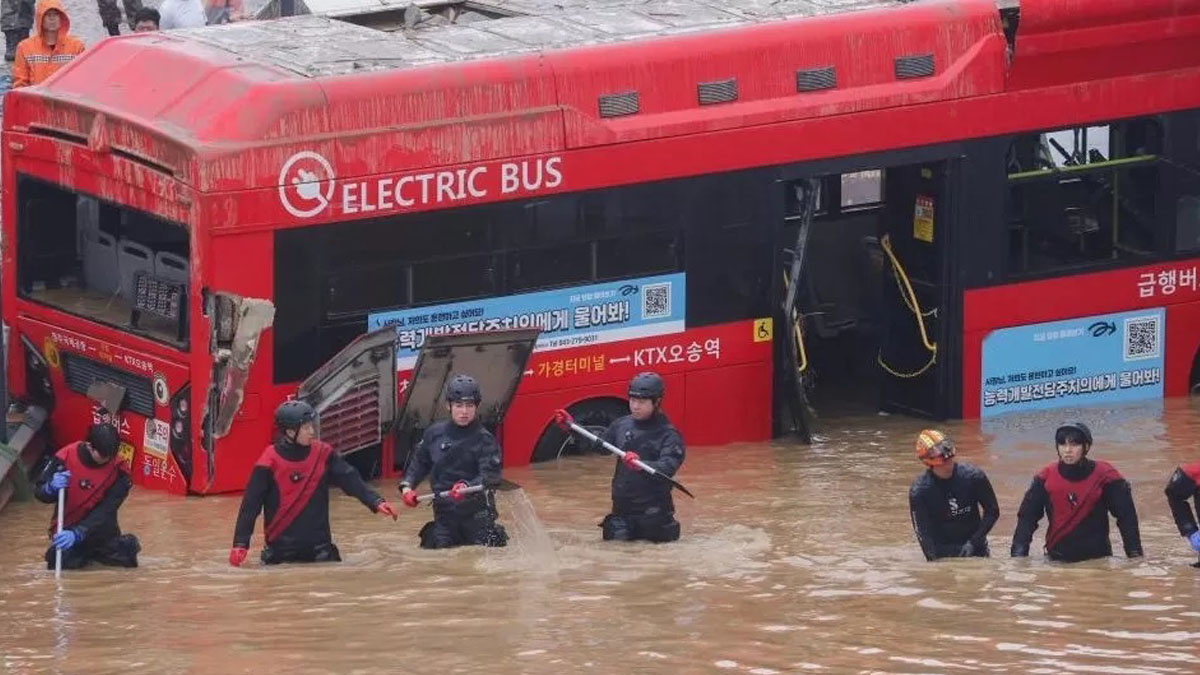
{"points": [[549, 266], [862, 188], [1083, 196], [90, 258], [637, 255]]}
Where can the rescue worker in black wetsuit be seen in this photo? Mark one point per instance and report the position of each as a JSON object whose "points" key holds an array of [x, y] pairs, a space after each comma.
{"points": [[290, 485], [456, 454], [642, 506], [1077, 494], [97, 485], [1183, 485], [952, 504]]}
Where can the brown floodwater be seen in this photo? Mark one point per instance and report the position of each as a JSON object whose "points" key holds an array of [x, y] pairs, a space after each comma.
{"points": [[794, 559]]}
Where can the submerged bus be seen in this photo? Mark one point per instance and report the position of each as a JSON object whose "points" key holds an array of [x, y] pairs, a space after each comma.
{"points": [[941, 208]]}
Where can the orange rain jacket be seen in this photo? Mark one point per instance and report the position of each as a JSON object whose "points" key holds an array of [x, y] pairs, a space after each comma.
{"points": [[35, 60]]}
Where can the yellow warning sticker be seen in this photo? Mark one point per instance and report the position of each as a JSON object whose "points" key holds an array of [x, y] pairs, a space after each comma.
{"points": [[51, 353], [125, 453], [923, 219], [762, 330]]}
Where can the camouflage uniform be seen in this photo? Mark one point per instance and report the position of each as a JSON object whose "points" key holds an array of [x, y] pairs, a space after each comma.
{"points": [[110, 14]]}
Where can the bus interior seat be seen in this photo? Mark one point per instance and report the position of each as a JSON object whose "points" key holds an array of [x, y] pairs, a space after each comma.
{"points": [[100, 267], [132, 258], [171, 267]]}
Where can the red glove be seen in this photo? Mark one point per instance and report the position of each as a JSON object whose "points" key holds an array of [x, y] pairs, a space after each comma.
{"points": [[563, 419], [237, 555], [410, 498], [629, 459], [456, 491], [386, 509]]}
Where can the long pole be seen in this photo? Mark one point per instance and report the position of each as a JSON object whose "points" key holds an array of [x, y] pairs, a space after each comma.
{"points": [[62, 506]]}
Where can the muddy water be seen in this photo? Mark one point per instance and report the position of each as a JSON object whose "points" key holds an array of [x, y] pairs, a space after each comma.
{"points": [[794, 559]]}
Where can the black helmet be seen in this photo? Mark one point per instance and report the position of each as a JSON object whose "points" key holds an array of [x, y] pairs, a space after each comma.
{"points": [[293, 414], [1073, 431], [646, 385], [103, 439], [463, 388]]}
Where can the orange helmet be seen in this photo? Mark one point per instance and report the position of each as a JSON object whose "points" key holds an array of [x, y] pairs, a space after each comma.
{"points": [[934, 448]]}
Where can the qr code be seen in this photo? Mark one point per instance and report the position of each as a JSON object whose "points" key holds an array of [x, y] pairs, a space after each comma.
{"points": [[656, 301], [1141, 338]]}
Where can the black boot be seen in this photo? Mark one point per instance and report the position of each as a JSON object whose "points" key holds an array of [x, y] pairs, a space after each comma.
{"points": [[11, 39], [113, 28]]}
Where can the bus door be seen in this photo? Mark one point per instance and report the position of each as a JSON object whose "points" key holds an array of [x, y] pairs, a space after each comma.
{"points": [[913, 237]]}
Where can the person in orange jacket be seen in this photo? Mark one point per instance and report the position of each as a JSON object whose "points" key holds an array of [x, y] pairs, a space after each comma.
{"points": [[52, 47]]}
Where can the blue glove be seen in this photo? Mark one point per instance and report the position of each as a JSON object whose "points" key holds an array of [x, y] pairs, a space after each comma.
{"points": [[65, 539], [1194, 540], [59, 481]]}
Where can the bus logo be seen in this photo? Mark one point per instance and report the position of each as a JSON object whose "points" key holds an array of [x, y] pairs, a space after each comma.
{"points": [[300, 184]]}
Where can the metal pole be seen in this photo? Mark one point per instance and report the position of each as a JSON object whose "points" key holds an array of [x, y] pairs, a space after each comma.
{"points": [[287, 7]]}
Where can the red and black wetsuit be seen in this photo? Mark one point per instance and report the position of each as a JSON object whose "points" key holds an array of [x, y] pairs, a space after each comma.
{"points": [[1184, 485], [1077, 499], [290, 484], [949, 513], [94, 494]]}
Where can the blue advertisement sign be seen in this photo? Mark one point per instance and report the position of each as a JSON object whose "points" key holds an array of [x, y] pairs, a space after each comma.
{"points": [[1110, 358], [568, 317]]}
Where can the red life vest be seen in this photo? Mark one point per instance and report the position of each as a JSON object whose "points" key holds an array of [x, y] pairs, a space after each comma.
{"points": [[1192, 471], [1072, 501], [296, 482], [87, 487]]}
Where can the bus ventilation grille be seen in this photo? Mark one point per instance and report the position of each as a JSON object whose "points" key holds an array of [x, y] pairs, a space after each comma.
{"points": [[816, 79], [909, 67], [352, 421], [723, 91], [619, 105], [81, 373]]}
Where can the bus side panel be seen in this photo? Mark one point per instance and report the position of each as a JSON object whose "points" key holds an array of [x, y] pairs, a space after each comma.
{"points": [[727, 405], [1060, 298], [240, 265]]}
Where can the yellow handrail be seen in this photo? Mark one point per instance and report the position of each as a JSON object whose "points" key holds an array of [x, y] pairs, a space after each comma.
{"points": [[910, 300]]}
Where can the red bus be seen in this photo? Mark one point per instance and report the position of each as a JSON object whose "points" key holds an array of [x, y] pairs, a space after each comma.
{"points": [[943, 209]]}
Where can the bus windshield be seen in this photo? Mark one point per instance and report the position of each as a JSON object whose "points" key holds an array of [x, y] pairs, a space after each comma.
{"points": [[105, 262]]}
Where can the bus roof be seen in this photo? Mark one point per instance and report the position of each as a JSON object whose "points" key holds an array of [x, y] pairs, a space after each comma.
{"points": [[385, 35], [221, 107]]}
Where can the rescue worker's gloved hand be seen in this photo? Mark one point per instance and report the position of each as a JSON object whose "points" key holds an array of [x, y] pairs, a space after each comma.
{"points": [[563, 419], [386, 509], [59, 480], [66, 539], [967, 550], [1194, 540], [456, 491], [629, 459], [237, 555], [409, 497]]}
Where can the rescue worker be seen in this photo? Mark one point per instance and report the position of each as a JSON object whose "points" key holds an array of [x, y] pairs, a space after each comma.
{"points": [[642, 506], [97, 484], [50, 48], [953, 505], [290, 485], [1183, 485], [456, 454], [1076, 494], [16, 20]]}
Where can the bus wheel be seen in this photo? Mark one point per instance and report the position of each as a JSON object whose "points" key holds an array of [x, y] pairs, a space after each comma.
{"points": [[593, 414]]}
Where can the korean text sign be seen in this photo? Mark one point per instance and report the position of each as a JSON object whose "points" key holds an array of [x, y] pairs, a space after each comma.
{"points": [[1109, 358], [569, 317]]}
